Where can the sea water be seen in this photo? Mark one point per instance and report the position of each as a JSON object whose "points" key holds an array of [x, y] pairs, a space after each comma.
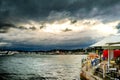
{"points": [[40, 67]]}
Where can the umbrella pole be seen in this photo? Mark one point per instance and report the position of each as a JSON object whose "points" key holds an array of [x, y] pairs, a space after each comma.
{"points": [[108, 57]]}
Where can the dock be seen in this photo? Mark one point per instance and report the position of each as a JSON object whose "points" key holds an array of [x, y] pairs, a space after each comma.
{"points": [[87, 73], [98, 72]]}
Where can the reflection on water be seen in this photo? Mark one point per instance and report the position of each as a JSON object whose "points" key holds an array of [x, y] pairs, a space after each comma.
{"points": [[40, 67]]}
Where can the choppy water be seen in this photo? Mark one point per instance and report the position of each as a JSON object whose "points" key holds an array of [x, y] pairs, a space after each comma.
{"points": [[40, 67]]}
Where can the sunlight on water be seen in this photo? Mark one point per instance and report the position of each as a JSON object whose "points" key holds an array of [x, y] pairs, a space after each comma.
{"points": [[40, 67]]}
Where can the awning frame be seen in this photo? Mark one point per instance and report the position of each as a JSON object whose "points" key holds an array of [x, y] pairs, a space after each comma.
{"points": [[109, 47]]}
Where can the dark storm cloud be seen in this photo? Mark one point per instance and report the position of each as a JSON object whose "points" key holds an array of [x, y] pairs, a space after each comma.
{"points": [[66, 30], [73, 21], [4, 27], [46, 12], [118, 27], [19, 10], [30, 47]]}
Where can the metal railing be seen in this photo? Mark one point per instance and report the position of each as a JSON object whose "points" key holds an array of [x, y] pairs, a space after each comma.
{"points": [[111, 75]]}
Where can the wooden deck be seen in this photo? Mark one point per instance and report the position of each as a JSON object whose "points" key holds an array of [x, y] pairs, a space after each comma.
{"points": [[89, 73]]}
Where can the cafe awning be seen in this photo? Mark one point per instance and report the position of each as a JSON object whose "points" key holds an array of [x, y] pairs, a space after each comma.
{"points": [[113, 42]]}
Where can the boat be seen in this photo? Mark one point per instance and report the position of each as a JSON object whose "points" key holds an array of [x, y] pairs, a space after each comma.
{"points": [[6, 53]]}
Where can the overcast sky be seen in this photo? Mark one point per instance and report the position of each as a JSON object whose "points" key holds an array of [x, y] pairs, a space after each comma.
{"points": [[57, 24]]}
